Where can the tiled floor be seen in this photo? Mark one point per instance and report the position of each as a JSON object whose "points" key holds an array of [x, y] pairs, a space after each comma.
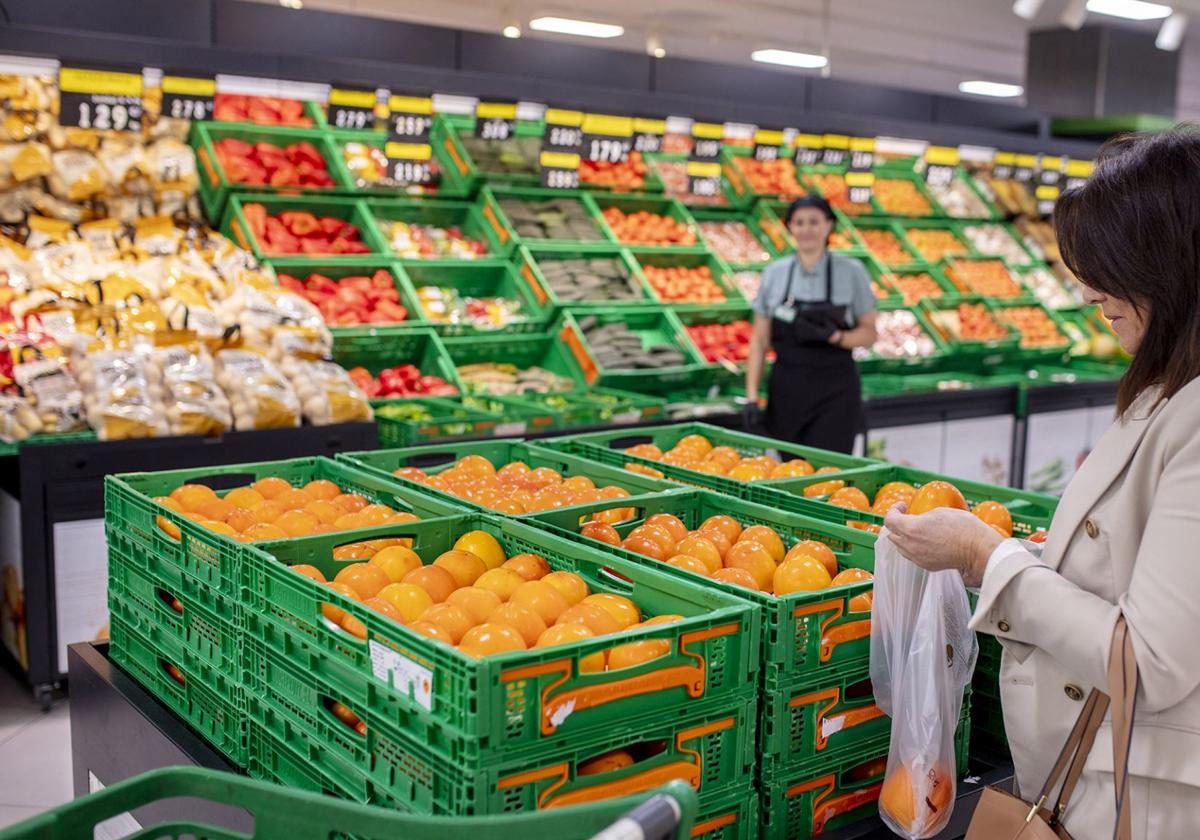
{"points": [[35, 753]]}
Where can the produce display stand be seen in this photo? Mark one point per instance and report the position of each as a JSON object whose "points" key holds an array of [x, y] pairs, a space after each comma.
{"points": [[64, 483]]}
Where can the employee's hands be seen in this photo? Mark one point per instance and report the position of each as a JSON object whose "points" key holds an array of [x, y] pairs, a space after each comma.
{"points": [[812, 329], [944, 538], [751, 416], [836, 338]]}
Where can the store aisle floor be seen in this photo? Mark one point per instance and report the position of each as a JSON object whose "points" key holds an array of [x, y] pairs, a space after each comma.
{"points": [[35, 753]]}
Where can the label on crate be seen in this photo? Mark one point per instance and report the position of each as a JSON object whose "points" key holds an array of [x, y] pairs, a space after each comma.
{"points": [[409, 118], [835, 148], [188, 97], [510, 429], [560, 170], [495, 120], [1025, 165], [627, 418], [766, 143], [401, 673], [940, 162], [859, 177], [862, 154], [648, 134], [351, 108], [561, 144], [105, 100], [1003, 165], [809, 148], [1078, 171], [607, 138], [703, 167], [409, 163]]}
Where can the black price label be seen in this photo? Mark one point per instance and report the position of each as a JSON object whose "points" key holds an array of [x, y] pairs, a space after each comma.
{"points": [[836, 147], [1003, 166], [410, 163], [104, 100], [704, 168], [1023, 172], [560, 170], [648, 134], [704, 178], [409, 118], [862, 154], [809, 148], [495, 120], [1049, 185], [607, 138], [767, 143], [188, 97], [561, 144], [562, 137], [940, 164], [859, 186], [351, 109]]}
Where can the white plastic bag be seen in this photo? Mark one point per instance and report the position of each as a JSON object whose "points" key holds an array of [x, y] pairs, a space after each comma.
{"points": [[922, 656]]}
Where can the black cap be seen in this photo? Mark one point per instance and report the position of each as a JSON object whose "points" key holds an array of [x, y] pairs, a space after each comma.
{"points": [[810, 200]]}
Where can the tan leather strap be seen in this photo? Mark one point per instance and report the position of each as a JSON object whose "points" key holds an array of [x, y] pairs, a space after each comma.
{"points": [[1070, 747], [1095, 716], [1122, 688]]}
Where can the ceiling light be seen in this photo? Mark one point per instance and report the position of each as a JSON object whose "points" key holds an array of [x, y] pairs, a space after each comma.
{"points": [[1170, 34], [511, 31], [1074, 15], [292, 4], [1027, 9], [808, 61], [654, 46], [570, 26], [1131, 9], [979, 87]]}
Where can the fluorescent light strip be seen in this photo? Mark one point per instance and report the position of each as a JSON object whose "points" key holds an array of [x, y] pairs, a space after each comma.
{"points": [[570, 26], [788, 58], [1131, 9], [978, 87]]}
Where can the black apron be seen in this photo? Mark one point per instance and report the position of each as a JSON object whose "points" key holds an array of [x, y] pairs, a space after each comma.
{"points": [[814, 396]]}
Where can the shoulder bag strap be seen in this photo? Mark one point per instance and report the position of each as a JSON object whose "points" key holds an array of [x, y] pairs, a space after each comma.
{"points": [[1122, 687], [1075, 748], [1095, 716]]}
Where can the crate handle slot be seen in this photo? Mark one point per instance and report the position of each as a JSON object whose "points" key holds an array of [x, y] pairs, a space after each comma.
{"points": [[825, 810], [224, 481], [843, 633], [344, 715], [170, 601], [616, 580], [839, 721], [172, 671]]}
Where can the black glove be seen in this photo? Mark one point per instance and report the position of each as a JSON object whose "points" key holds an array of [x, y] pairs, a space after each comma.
{"points": [[813, 327], [751, 416]]}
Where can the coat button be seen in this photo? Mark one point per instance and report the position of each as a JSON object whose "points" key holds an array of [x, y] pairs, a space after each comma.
{"points": [[1074, 692], [1093, 530], [1002, 626]]}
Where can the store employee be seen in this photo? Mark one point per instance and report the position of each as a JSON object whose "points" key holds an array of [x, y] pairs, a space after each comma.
{"points": [[812, 309]]}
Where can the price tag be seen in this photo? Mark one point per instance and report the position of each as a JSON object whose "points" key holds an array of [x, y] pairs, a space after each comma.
{"points": [[410, 163], [188, 97], [648, 134], [495, 120], [561, 144], [862, 154], [351, 108], [409, 118], [940, 162], [1024, 169], [607, 138], [1078, 171], [1003, 166], [859, 177], [809, 149], [1049, 184], [767, 143], [106, 100], [704, 168], [835, 148]]}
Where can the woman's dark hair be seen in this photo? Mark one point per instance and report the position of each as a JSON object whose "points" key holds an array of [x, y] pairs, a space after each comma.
{"points": [[809, 201], [1132, 232]]}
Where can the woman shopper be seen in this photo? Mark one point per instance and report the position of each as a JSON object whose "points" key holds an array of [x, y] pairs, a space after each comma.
{"points": [[1124, 538], [812, 309]]}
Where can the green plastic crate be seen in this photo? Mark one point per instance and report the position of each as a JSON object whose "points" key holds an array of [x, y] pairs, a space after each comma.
{"points": [[518, 701], [287, 762], [210, 558], [964, 177], [935, 209], [336, 270], [1027, 258], [731, 814], [896, 229], [887, 277], [1037, 355], [214, 183], [376, 348], [1030, 511], [528, 132], [721, 275], [281, 814], [870, 361], [804, 632], [532, 257], [656, 326], [609, 448], [382, 463], [909, 227], [482, 279], [766, 230], [238, 229], [522, 352], [728, 197], [978, 355], [947, 267], [205, 700], [465, 215], [451, 182], [651, 181], [513, 416], [818, 180], [447, 419], [660, 205], [699, 316], [494, 199], [732, 169]]}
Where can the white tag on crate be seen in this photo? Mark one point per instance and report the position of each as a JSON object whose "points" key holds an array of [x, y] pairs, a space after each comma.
{"points": [[510, 429], [627, 417], [402, 673]]}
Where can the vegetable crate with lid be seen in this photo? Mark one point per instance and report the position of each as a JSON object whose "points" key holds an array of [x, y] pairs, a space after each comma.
{"points": [[805, 635], [1030, 511], [478, 297], [647, 222], [391, 465], [296, 150], [591, 275], [637, 446], [378, 348], [537, 216], [408, 229], [640, 349], [258, 223], [282, 814], [528, 702]]}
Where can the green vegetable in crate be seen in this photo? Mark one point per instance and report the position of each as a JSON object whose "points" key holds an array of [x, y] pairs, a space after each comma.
{"points": [[514, 156], [616, 347], [501, 379], [404, 411], [556, 218], [447, 306], [594, 279]]}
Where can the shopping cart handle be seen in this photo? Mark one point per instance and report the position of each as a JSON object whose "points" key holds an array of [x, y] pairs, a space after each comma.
{"points": [[655, 819]]}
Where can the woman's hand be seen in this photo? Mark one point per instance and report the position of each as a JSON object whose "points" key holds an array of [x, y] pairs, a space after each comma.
{"points": [[944, 538]]}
